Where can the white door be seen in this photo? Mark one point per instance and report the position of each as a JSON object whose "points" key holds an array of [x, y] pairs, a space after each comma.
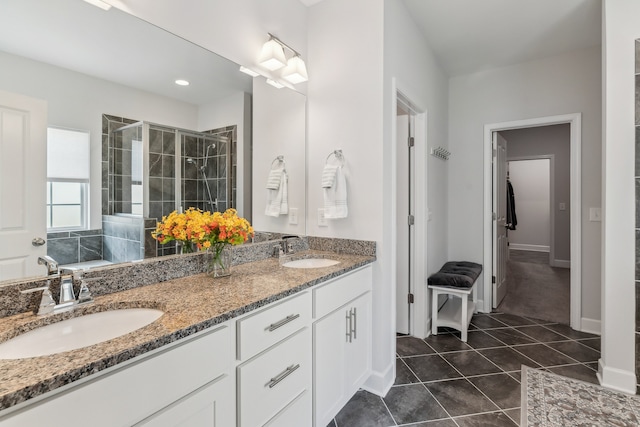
{"points": [[500, 247], [23, 171], [405, 184]]}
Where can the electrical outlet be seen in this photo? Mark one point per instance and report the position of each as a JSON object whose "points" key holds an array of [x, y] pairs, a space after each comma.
{"points": [[293, 216], [322, 221], [595, 214], [562, 207]]}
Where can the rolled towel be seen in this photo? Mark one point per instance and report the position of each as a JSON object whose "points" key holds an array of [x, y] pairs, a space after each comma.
{"points": [[275, 176], [329, 176]]}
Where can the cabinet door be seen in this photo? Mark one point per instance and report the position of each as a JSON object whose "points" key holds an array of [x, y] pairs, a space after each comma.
{"points": [[358, 355], [330, 345], [212, 405]]}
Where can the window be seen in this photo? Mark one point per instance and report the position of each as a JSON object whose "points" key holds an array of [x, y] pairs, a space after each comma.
{"points": [[67, 179]]}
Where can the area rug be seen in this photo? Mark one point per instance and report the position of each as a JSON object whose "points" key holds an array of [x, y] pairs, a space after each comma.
{"points": [[550, 400]]}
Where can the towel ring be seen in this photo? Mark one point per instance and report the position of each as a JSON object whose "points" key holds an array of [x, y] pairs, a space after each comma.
{"points": [[338, 155], [279, 159]]}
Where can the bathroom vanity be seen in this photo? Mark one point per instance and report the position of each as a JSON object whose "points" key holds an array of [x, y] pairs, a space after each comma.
{"points": [[268, 346]]}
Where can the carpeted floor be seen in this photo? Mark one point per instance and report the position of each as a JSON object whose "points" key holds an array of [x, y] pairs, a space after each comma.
{"points": [[550, 400], [536, 289]]}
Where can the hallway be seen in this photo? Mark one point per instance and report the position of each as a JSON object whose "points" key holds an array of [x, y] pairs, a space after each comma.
{"points": [[536, 289], [443, 382]]}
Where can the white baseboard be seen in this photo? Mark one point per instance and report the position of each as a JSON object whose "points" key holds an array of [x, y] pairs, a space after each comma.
{"points": [[525, 247], [379, 383], [616, 379], [591, 326], [561, 263]]}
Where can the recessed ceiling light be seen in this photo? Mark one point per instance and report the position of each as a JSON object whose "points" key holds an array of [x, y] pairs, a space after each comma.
{"points": [[99, 3], [181, 82]]}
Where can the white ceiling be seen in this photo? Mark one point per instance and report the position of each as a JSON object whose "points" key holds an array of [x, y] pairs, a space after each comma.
{"points": [[115, 46], [472, 35]]}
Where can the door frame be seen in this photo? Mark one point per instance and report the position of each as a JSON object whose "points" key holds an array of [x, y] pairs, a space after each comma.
{"points": [[575, 124], [552, 198], [419, 322]]}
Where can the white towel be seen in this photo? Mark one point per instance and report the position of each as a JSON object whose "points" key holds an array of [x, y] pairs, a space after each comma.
{"points": [[277, 203], [329, 175], [335, 197], [273, 181]]}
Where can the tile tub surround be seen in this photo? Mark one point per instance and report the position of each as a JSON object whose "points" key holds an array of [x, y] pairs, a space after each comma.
{"points": [[191, 304], [70, 247]]}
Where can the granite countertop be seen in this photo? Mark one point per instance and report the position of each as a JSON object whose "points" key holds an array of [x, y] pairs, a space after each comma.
{"points": [[190, 304]]}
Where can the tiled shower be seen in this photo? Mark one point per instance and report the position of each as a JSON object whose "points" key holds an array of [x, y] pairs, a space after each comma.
{"points": [[205, 163]]}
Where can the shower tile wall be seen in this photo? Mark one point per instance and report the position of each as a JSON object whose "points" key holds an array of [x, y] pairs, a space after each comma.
{"points": [[70, 247], [109, 156], [162, 172], [637, 174]]}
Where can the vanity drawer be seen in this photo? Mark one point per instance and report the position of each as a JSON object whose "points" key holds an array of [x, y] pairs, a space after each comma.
{"points": [[297, 414], [338, 292], [270, 381], [266, 327]]}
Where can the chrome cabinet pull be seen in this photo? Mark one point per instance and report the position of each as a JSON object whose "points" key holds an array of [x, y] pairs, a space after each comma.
{"points": [[281, 376], [348, 321], [272, 327], [354, 325]]}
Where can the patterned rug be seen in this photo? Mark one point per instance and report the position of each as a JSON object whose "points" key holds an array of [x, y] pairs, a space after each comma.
{"points": [[549, 400]]}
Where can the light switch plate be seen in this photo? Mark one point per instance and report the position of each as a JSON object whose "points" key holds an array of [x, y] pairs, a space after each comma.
{"points": [[595, 214], [322, 221], [562, 207], [293, 216]]}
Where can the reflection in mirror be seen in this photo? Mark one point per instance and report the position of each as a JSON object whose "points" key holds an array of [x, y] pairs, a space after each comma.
{"points": [[101, 71]]}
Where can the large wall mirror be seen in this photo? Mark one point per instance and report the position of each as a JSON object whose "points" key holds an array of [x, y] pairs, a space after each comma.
{"points": [[154, 145]]}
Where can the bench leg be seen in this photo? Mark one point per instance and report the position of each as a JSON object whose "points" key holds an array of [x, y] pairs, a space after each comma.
{"points": [[464, 320], [434, 312]]}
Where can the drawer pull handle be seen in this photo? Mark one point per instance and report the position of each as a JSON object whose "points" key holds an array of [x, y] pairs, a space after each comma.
{"points": [[281, 376], [272, 327]]}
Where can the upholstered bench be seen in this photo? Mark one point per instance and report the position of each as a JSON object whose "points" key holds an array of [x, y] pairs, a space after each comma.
{"points": [[456, 279]]}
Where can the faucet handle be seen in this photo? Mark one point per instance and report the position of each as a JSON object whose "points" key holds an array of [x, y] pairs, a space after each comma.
{"points": [[47, 304]]}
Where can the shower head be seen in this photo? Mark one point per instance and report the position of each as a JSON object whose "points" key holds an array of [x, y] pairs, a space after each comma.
{"points": [[190, 160]]}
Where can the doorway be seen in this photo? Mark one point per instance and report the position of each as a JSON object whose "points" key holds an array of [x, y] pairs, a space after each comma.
{"points": [[574, 214], [409, 213]]}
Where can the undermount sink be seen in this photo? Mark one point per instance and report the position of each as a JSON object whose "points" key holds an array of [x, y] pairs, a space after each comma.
{"points": [[77, 332], [311, 263]]}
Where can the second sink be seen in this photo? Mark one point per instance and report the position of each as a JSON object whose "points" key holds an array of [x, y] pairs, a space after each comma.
{"points": [[310, 263], [77, 332]]}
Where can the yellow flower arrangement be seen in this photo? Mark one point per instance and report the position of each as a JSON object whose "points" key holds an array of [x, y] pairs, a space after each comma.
{"points": [[204, 229]]}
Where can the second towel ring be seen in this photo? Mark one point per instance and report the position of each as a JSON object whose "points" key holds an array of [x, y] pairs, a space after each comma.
{"points": [[279, 159], [338, 155]]}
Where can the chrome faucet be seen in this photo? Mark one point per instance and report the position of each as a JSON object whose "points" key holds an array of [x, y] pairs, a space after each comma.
{"points": [[287, 246], [52, 265]]}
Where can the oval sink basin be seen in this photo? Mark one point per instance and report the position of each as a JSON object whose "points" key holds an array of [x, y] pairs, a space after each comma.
{"points": [[310, 263], [77, 332]]}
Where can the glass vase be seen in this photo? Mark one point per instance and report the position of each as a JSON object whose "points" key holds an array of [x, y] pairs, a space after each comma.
{"points": [[219, 261]]}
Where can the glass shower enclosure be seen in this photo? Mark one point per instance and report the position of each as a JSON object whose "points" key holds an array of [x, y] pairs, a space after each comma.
{"points": [[154, 170]]}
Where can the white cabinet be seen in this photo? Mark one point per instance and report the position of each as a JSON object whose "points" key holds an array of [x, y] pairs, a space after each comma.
{"points": [[342, 344], [129, 393], [275, 370], [209, 406]]}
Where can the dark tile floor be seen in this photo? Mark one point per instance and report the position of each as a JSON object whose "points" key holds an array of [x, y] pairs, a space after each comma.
{"points": [[443, 382]]}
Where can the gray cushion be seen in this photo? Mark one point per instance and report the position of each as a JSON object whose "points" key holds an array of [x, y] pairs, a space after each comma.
{"points": [[456, 274]]}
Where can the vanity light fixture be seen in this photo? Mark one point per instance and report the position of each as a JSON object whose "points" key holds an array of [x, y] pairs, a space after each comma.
{"points": [[275, 84], [273, 58], [181, 82], [272, 55], [99, 3], [295, 71], [249, 71]]}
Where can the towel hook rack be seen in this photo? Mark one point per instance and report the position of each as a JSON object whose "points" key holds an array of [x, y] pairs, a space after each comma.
{"points": [[338, 155], [279, 159]]}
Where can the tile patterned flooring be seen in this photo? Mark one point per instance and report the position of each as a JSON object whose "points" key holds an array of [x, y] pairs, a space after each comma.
{"points": [[443, 382]]}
